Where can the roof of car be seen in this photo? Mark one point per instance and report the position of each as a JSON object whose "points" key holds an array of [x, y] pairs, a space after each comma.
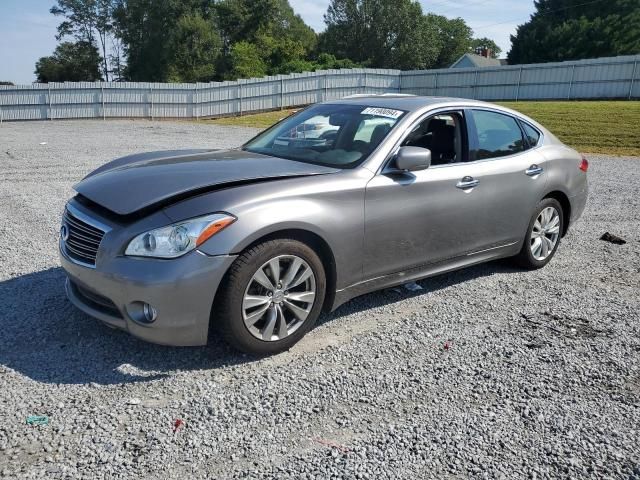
{"points": [[403, 102]]}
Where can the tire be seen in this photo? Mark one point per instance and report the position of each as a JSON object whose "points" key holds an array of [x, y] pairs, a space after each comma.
{"points": [[526, 258], [233, 320]]}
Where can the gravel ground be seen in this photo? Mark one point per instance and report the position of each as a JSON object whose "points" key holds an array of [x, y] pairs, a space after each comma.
{"points": [[489, 372]]}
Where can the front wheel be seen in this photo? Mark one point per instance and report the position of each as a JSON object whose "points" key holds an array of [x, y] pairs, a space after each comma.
{"points": [[543, 235], [271, 298]]}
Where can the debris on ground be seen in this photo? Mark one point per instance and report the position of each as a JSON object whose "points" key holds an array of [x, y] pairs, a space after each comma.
{"points": [[329, 443], [177, 424], [37, 420], [611, 238]]}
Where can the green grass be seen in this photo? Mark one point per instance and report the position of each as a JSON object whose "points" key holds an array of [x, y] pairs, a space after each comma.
{"points": [[609, 127], [258, 120]]}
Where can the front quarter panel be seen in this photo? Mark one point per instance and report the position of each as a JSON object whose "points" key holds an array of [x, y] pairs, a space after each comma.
{"points": [[330, 206]]}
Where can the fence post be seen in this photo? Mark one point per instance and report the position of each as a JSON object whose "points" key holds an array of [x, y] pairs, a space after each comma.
{"points": [[518, 87], [475, 85], [240, 96], [104, 114], [193, 103], [400, 82], [573, 69], [435, 82], [326, 88], [364, 82], [49, 101], [281, 93], [151, 101], [633, 76]]}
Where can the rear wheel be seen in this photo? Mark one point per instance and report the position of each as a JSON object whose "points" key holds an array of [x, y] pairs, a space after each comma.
{"points": [[272, 296], [543, 235]]}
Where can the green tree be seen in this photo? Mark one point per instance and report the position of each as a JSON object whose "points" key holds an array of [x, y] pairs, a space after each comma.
{"points": [[380, 33], [282, 39], [194, 49], [88, 21], [327, 61], [70, 62], [246, 20], [246, 61], [454, 39], [572, 29], [147, 29], [479, 43]]}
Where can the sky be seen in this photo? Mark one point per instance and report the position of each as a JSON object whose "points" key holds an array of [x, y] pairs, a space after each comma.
{"points": [[28, 30]]}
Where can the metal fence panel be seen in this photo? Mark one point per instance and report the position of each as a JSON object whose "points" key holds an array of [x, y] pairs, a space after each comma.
{"points": [[616, 77]]}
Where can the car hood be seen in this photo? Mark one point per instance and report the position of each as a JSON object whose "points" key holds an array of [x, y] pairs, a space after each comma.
{"points": [[137, 182]]}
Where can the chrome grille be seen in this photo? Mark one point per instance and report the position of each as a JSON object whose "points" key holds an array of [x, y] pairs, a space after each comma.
{"points": [[81, 240]]}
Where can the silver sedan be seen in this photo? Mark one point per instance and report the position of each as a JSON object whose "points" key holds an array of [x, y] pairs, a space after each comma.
{"points": [[254, 243]]}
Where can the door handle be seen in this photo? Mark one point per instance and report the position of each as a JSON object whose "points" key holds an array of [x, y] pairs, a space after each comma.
{"points": [[534, 170], [467, 183]]}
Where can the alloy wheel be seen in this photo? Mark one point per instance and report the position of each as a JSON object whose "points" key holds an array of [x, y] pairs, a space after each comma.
{"points": [[545, 233], [279, 298]]}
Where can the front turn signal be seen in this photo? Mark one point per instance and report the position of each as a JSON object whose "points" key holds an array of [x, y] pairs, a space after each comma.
{"points": [[214, 228]]}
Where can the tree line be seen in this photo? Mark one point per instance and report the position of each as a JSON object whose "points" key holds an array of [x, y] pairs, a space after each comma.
{"points": [[205, 40]]}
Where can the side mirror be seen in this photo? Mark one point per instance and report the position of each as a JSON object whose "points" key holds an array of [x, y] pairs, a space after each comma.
{"points": [[412, 159]]}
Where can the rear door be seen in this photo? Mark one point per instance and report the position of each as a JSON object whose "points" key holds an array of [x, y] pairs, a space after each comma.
{"points": [[511, 170]]}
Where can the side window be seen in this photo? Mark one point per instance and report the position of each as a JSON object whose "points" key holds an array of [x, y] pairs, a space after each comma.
{"points": [[443, 135], [531, 133], [499, 135]]}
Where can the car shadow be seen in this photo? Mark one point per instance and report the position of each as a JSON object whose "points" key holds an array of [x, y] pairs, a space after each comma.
{"points": [[46, 339]]}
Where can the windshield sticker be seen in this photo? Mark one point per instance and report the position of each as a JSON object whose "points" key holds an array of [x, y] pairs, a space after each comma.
{"points": [[383, 112], [280, 142]]}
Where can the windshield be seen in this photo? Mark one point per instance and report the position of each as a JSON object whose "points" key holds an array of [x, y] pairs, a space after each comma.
{"points": [[340, 136]]}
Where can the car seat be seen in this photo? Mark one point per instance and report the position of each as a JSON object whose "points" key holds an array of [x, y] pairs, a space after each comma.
{"points": [[442, 146]]}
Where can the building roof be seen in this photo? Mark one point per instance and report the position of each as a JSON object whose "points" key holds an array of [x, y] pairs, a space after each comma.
{"points": [[478, 61]]}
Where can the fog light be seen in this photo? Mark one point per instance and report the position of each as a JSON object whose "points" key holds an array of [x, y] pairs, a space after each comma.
{"points": [[150, 313]]}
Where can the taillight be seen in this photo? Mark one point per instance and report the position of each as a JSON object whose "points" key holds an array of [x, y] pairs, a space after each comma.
{"points": [[584, 165]]}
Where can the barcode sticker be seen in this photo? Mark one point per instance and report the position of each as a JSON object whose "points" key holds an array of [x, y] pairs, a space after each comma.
{"points": [[383, 112]]}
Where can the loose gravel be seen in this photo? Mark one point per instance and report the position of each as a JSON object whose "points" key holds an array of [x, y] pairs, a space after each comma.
{"points": [[490, 372]]}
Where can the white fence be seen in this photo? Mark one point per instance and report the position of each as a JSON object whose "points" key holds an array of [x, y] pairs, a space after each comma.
{"points": [[614, 78]]}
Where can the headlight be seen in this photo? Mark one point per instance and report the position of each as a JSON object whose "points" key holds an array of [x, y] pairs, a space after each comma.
{"points": [[175, 240]]}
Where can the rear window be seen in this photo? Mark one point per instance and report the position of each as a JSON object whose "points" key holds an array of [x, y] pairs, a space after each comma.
{"points": [[532, 134]]}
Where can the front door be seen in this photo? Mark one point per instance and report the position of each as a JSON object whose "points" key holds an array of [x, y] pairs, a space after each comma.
{"points": [[422, 218]]}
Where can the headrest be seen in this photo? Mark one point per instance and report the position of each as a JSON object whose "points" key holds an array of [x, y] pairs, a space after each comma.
{"points": [[443, 138], [379, 133], [436, 124]]}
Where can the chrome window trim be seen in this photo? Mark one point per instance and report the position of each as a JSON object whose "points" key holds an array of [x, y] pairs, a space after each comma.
{"points": [[424, 115], [540, 133], [518, 118]]}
